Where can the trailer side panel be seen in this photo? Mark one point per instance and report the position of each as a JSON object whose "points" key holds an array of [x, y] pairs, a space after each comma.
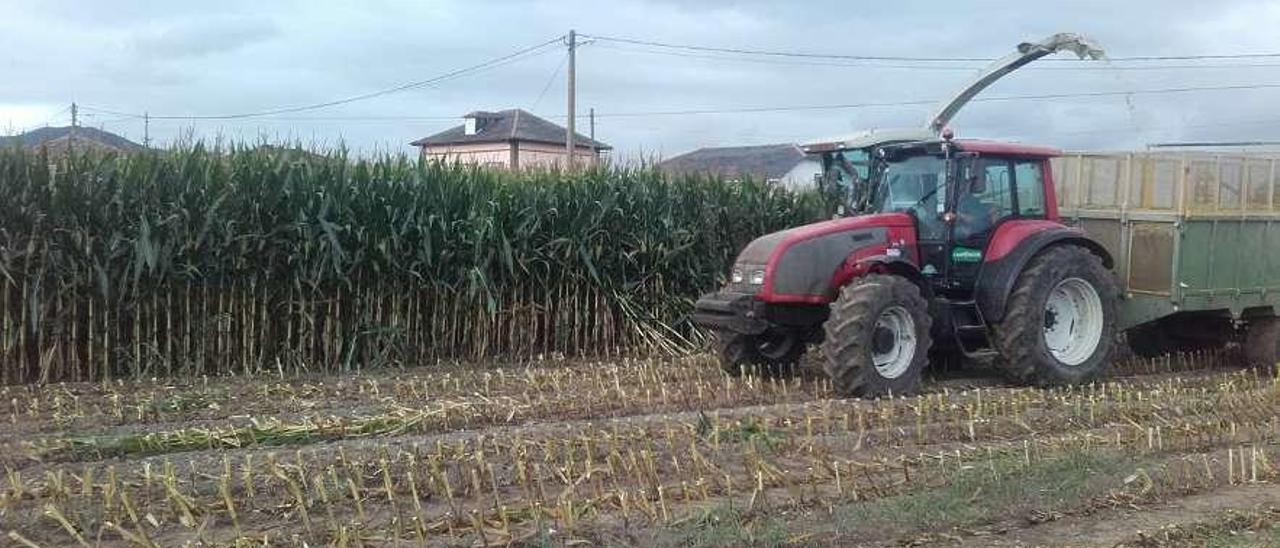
{"points": [[1190, 232]]}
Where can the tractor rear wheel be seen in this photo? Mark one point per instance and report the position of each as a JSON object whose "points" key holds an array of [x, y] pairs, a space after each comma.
{"points": [[877, 337], [769, 354], [1262, 342], [1059, 324]]}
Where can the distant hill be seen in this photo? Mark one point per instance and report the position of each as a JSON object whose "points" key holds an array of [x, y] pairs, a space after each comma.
{"points": [[57, 139]]}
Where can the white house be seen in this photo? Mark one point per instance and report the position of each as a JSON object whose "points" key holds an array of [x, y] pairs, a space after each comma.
{"points": [[785, 164]]}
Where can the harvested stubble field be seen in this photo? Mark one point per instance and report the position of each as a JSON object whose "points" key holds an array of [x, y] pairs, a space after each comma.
{"points": [[642, 452]]}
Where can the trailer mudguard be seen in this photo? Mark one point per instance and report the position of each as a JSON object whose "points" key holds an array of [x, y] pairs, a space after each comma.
{"points": [[1011, 248]]}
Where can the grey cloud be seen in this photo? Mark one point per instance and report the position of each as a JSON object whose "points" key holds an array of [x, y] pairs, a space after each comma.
{"points": [[205, 37], [187, 58]]}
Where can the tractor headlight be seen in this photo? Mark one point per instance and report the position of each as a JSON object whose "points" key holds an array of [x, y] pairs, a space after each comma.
{"points": [[736, 276], [757, 277]]}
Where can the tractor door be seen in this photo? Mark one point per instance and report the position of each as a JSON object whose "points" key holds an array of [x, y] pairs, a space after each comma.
{"points": [[991, 190]]}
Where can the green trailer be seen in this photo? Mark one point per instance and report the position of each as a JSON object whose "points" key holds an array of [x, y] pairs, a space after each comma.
{"points": [[1195, 237]]}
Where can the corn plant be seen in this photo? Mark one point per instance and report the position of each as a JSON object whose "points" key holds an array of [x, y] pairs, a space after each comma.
{"points": [[208, 260]]}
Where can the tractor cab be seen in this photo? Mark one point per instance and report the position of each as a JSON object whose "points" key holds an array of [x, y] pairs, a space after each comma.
{"points": [[959, 194]]}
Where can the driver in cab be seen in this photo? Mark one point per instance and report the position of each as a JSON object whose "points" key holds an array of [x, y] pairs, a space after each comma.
{"points": [[974, 216]]}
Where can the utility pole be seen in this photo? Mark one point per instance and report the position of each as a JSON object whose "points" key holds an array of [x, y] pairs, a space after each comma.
{"points": [[75, 121], [568, 140], [146, 130], [592, 113]]}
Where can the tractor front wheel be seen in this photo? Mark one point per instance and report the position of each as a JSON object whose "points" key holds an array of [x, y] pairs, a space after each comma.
{"points": [[769, 354], [877, 337], [1060, 322]]}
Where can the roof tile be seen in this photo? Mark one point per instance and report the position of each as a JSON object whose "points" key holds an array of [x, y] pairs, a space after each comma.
{"points": [[508, 125]]}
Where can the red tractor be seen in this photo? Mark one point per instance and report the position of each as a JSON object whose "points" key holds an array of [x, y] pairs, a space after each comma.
{"points": [[953, 246]]}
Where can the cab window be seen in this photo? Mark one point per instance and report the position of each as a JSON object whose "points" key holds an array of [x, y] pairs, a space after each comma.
{"points": [[986, 198], [1029, 177], [995, 187]]}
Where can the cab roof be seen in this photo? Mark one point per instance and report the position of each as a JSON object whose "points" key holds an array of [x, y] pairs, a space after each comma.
{"points": [[868, 138], [907, 136], [934, 146], [1000, 147]]}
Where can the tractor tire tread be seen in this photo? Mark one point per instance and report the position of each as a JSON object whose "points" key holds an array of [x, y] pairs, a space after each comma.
{"points": [[1019, 337], [848, 335], [738, 355]]}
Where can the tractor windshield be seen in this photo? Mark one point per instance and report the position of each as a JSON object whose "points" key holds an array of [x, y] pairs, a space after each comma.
{"points": [[914, 184]]}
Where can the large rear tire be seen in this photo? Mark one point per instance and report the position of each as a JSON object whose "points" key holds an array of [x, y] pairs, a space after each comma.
{"points": [[1262, 342], [877, 337], [770, 354], [1059, 326]]}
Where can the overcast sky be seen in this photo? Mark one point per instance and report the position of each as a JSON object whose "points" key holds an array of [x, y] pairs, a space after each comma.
{"points": [[177, 58]]}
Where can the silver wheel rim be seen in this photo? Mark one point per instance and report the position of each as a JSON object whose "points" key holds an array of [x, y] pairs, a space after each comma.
{"points": [[1073, 321], [896, 360]]}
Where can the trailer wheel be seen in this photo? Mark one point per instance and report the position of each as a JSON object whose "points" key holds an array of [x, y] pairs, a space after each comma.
{"points": [[877, 337], [1060, 322], [1148, 341], [1262, 342], [771, 354], [1192, 333]]}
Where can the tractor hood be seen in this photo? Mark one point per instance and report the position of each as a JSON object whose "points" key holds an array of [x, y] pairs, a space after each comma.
{"points": [[800, 264]]}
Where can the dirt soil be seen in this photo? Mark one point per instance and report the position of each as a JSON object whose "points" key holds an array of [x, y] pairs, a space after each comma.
{"points": [[632, 452], [1111, 527]]}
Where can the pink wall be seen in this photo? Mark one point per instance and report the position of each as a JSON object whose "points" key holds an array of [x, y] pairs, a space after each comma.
{"points": [[492, 154], [531, 155], [545, 155]]}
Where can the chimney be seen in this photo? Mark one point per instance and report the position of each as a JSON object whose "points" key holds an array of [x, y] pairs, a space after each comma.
{"points": [[475, 122]]}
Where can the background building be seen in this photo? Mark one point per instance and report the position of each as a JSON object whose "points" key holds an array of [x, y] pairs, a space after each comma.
{"points": [[511, 139], [785, 164]]}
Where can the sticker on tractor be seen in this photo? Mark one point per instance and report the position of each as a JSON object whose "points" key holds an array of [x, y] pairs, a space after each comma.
{"points": [[966, 255]]}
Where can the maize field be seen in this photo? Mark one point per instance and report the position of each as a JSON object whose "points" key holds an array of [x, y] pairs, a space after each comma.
{"points": [[624, 451], [209, 261]]}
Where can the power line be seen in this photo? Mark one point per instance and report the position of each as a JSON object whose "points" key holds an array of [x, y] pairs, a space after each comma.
{"points": [[961, 68], [550, 80], [1234, 123], [352, 118], [813, 55], [768, 109], [934, 101], [46, 123], [791, 108], [492, 63]]}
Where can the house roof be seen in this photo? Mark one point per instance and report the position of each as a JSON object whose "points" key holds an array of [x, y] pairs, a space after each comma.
{"points": [[55, 136], [761, 161], [508, 125]]}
